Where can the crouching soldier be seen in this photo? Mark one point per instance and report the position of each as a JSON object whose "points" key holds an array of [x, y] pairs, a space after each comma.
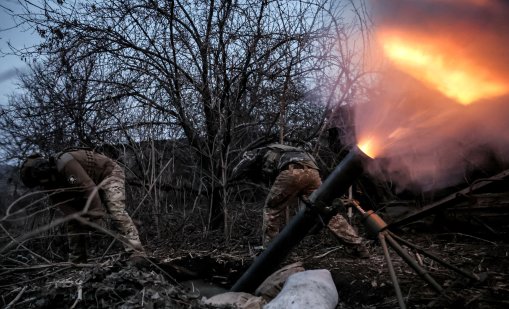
{"points": [[78, 181], [294, 174]]}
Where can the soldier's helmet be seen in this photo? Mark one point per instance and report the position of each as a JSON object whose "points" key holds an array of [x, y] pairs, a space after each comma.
{"points": [[34, 168]]}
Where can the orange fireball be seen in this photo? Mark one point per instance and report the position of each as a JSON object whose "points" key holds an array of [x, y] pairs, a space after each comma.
{"points": [[368, 147], [442, 66]]}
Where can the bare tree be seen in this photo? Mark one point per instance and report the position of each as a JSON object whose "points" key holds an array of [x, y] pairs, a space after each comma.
{"points": [[62, 106], [222, 76]]}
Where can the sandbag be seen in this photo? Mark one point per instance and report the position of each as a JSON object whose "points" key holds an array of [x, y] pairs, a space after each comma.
{"points": [[271, 286], [308, 289]]}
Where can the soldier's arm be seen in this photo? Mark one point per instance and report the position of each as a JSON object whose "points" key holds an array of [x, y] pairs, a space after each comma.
{"points": [[77, 178], [246, 165]]}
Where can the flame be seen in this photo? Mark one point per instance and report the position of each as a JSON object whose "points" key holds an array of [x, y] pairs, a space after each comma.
{"points": [[442, 67], [368, 146]]}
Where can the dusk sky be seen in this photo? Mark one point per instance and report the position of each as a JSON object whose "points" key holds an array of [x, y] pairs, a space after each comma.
{"points": [[10, 65]]}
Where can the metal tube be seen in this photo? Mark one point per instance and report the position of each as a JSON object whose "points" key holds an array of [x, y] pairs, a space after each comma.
{"points": [[341, 178], [412, 263], [268, 261], [307, 219], [394, 279], [434, 257]]}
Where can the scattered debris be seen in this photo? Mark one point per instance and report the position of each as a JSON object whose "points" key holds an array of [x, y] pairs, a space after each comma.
{"points": [[360, 283]]}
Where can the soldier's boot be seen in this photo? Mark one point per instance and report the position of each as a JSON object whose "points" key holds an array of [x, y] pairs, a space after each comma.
{"points": [[132, 242], [136, 255]]}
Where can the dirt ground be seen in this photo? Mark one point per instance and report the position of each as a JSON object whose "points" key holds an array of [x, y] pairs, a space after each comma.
{"points": [[366, 283], [182, 273]]}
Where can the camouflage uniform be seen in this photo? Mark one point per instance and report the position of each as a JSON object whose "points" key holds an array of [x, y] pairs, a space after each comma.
{"points": [[282, 202], [296, 174], [84, 179]]}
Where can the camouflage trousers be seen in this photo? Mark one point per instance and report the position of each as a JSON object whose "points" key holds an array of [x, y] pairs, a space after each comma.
{"points": [[343, 231], [112, 192], [113, 197], [283, 202]]}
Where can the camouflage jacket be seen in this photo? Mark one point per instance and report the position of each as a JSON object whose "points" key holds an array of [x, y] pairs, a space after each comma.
{"points": [[78, 174], [270, 160], [277, 157]]}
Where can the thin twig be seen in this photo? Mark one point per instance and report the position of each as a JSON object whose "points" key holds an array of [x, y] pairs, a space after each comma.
{"points": [[79, 297], [13, 260], [34, 279], [27, 300], [16, 298], [13, 240], [327, 253], [51, 265], [28, 235], [474, 237]]}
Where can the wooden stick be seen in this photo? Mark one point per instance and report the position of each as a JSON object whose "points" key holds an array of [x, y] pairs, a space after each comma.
{"points": [[16, 298]]}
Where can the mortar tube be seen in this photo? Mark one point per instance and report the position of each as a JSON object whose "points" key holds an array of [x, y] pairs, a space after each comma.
{"points": [[307, 219]]}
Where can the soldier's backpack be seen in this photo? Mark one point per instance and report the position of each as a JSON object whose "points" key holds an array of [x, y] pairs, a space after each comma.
{"points": [[278, 156]]}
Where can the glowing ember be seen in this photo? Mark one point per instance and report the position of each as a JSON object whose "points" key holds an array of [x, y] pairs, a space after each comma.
{"points": [[368, 147], [442, 68]]}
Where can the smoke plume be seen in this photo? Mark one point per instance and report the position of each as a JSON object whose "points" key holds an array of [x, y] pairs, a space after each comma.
{"points": [[425, 137]]}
